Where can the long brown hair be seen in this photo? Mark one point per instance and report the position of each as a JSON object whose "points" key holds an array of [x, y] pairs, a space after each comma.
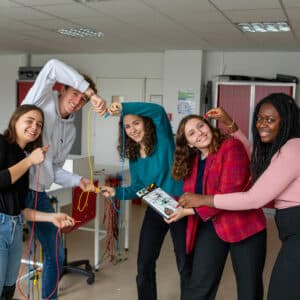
{"points": [[184, 155], [132, 148], [10, 133]]}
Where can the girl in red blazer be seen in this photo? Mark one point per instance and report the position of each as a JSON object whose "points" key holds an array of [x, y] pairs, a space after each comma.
{"points": [[212, 163]]}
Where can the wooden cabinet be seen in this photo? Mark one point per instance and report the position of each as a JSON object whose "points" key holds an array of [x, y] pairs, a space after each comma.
{"points": [[239, 98]]}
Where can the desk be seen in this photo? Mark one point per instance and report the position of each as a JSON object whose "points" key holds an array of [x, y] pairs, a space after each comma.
{"points": [[65, 196]]}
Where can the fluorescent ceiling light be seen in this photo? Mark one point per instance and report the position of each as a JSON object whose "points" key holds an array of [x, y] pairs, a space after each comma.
{"points": [[264, 27], [89, 1], [80, 32]]}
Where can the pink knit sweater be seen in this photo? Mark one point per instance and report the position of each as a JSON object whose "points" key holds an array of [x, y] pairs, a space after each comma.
{"points": [[279, 182]]}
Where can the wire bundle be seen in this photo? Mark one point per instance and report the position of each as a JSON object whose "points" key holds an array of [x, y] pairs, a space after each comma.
{"points": [[111, 220]]}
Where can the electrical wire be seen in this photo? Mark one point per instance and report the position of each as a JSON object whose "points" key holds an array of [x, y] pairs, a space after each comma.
{"points": [[80, 207]]}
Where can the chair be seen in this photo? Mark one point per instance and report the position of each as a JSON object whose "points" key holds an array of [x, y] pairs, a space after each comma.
{"points": [[83, 215], [74, 267]]}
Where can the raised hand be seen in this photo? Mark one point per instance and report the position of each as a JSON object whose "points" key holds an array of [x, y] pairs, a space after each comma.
{"points": [[107, 191], [115, 109], [37, 156], [87, 185], [219, 114], [99, 104], [222, 116]]}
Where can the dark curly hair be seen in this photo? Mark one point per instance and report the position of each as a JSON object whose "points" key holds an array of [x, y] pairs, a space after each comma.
{"points": [[132, 148], [184, 155], [10, 133], [289, 128]]}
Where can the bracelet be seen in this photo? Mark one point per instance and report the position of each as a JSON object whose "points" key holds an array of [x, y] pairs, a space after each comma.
{"points": [[231, 125]]}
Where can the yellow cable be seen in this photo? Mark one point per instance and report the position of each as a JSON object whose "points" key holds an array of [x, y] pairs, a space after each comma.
{"points": [[79, 208]]}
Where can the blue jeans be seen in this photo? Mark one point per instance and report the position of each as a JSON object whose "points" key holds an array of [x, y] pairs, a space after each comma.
{"points": [[46, 234], [10, 249]]}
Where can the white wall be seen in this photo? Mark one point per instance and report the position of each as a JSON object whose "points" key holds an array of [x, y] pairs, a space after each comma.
{"points": [[182, 71], [111, 65], [176, 69], [9, 65]]}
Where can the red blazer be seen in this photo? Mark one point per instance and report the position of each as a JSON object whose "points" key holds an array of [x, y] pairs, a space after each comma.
{"points": [[226, 171]]}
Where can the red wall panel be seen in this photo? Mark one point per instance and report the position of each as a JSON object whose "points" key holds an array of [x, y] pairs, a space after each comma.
{"points": [[235, 99], [261, 91], [24, 86]]}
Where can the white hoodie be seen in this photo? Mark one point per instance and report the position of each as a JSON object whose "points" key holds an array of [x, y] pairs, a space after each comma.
{"points": [[58, 133]]}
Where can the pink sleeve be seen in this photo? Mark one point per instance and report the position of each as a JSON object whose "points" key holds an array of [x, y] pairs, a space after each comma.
{"points": [[282, 171], [241, 136]]}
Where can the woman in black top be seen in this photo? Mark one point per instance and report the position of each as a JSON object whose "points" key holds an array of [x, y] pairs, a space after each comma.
{"points": [[22, 136]]}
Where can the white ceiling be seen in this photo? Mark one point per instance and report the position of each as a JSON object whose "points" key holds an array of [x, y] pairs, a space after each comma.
{"points": [[30, 26]]}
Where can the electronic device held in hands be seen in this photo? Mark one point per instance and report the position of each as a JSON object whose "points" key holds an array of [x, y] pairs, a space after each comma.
{"points": [[159, 200]]}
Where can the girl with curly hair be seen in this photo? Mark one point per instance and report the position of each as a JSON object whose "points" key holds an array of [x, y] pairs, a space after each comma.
{"points": [[148, 143], [214, 163]]}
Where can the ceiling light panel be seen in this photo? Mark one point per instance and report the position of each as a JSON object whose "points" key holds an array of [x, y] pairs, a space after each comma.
{"points": [[80, 33], [264, 27]]}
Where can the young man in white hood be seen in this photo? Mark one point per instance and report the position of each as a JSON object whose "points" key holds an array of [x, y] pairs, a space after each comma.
{"points": [[59, 133]]}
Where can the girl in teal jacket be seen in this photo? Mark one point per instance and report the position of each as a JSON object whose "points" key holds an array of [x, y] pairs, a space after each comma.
{"points": [[149, 146]]}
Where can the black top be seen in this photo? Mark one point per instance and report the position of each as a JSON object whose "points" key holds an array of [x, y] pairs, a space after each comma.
{"points": [[199, 180], [11, 195]]}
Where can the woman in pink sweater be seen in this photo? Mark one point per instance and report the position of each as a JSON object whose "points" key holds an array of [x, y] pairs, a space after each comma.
{"points": [[275, 170]]}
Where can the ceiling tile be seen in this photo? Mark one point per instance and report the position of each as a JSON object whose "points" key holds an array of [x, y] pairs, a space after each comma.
{"points": [[245, 4], [43, 2], [291, 3], [294, 14], [255, 15], [69, 10], [22, 13], [143, 25]]}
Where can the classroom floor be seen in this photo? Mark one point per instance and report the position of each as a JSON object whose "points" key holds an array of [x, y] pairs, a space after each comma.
{"points": [[115, 282]]}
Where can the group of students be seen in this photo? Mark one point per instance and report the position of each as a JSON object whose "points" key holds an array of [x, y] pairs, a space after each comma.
{"points": [[204, 161]]}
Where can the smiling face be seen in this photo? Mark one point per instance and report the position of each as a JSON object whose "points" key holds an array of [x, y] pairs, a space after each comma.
{"points": [[28, 127], [70, 101], [134, 128], [268, 123], [198, 135]]}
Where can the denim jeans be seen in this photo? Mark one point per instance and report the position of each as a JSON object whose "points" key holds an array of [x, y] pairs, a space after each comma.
{"points": [[10, 249], [46, 234]]}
